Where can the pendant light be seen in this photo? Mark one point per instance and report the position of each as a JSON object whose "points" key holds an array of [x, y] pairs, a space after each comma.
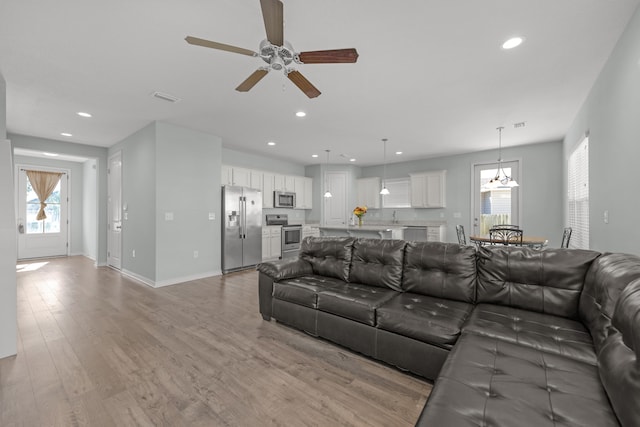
{"points": [[384, 190], [327, 194], [501, 180]]}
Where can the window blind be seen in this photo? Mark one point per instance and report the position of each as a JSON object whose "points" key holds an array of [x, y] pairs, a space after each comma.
{"points": [[578, 197], [398, 196]]}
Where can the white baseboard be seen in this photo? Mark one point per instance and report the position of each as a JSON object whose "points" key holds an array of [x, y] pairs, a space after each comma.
{"points": [[138, 278], [177, 280], [169, 282]]}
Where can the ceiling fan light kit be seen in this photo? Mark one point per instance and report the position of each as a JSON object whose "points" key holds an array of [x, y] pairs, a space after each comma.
{"points": [[279, 53]]}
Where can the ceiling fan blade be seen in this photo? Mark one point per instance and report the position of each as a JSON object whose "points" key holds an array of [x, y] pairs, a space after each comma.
{"points": [[303, 84], [329, 56], [273, 21], [219, 46], [251, 81]]}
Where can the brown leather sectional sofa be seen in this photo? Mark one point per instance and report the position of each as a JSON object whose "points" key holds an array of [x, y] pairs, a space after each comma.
{"points": [[511, 336]]}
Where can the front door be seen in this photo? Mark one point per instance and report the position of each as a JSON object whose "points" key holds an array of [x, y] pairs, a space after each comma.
{"points": [[494, 206], [47, 237], [114, 206]]}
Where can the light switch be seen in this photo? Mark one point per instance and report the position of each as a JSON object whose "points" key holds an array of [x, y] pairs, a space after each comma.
{"points": [[212, 216], [457, 215], [168, 216], [126, 216], [605, 217]]}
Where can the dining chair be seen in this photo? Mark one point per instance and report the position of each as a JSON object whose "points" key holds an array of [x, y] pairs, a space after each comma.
{"points": [[461, 237], [566, 236], [505, 235]]}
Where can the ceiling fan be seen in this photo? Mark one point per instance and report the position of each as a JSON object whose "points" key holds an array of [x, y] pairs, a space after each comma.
{"points": [[278, 53]]}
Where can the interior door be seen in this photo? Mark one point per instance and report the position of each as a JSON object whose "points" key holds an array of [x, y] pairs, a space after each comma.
{"points": [[496, 206], [48, 237], [335, 207], [114, 206]]}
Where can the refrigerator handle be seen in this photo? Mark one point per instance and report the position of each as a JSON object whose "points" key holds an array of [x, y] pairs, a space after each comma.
{"points": [[243, 217]]}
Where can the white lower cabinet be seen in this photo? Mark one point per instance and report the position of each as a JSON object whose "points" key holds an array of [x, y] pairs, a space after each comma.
{"points": [[435, 234], [271, 242]]}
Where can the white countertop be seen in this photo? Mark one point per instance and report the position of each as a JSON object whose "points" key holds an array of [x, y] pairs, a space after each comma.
{"points": [[365, 227]]}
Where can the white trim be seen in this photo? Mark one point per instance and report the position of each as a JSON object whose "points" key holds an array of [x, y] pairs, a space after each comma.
{"points": [[473, 195], [178, 280], [168, 282], [18, 167], [135, 276]]}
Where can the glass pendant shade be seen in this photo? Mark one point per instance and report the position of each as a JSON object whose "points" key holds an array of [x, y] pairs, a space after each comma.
{"points": [[384, 190], [327, 193]]}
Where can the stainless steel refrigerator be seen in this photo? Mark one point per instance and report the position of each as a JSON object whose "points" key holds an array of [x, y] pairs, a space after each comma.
{"points": [[241, 227]]}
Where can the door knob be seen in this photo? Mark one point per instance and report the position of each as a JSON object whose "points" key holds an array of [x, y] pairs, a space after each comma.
{"points": [[21, 228]]}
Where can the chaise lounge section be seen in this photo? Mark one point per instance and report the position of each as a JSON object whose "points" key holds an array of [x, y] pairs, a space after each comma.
{"points": [[511, 336]]}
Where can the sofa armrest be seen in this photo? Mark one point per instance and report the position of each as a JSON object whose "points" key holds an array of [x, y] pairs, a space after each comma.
{"points": [[270, 272], [285, 269]]}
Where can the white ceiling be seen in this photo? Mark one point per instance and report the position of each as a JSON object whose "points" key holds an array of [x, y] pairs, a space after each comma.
{"points": [[431, 75]]}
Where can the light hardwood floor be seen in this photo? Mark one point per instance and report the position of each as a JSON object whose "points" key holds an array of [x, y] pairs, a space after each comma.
{"points": [[96, 348]]}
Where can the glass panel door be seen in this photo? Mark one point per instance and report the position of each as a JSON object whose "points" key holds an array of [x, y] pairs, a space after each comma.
{"points": [[494, 206]]}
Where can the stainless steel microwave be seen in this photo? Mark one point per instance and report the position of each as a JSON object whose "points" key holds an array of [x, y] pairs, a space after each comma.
{"points": [[283, 199]]}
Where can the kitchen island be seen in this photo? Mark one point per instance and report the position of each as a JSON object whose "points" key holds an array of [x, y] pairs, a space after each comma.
{"points": [[370, 231]]}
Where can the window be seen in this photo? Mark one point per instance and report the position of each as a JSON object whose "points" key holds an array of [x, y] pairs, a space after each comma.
{"points": [[52, 223], [578, 195], [398, 196]]}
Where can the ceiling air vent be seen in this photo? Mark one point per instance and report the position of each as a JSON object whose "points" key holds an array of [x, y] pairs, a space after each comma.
{"points": [[165, 97], [519, 125]]}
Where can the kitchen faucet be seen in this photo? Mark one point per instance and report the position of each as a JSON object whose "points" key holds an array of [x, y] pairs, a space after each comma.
{"points": [[393, 218]]}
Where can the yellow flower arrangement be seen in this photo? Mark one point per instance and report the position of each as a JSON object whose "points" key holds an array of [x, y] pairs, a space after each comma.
{"points": [[359, 211]]}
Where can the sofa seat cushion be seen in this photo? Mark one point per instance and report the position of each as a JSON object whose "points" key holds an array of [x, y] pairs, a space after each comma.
{"points": [[431, 320], [544, 332], [354, 301], [304, 290], [490, 382]]}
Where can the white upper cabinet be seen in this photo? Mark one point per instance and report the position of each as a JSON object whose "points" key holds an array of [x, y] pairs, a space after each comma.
{"points": [[369, 192], [428, 189], [226, 177], [303, 187], [269, 182], [267, 190]]}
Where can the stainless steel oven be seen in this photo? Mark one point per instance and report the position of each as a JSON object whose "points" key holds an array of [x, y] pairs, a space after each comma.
{"points": [[291, 235], [291, 239]]}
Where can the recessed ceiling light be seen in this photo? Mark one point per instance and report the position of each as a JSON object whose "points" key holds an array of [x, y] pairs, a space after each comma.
{"points": [[83, 114], [301, 114], [314, 156], [512, 42], [66, 134], [271, 143], [352, 160], [50, 154], [398, 153]]}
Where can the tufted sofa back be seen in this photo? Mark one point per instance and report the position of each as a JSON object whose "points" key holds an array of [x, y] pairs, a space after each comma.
{"points": [[548, 281], [605, 280], [619, 358], [378, 262], [328, 256], [440, 270]]}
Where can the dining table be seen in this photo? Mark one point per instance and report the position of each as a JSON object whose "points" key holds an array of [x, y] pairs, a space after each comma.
{"points": [[530, 241]]}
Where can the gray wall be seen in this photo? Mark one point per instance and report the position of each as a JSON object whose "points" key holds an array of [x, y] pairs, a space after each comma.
{"points": [[76, 194], [168, 169], [8, 301], [259, 162], [541, 171], [90, 209], [139, 202], [611, 114], [188, 185], [81, 150]]}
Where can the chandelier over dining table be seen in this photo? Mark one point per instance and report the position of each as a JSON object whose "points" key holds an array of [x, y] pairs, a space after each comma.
{"points": [[501, 180]]}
